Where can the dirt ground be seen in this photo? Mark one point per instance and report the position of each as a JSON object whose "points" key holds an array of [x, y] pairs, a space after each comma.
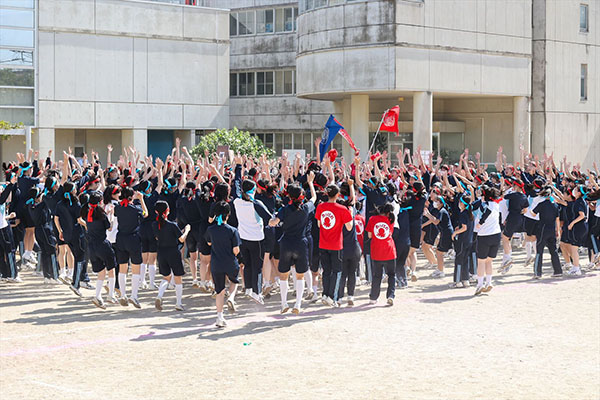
{"points": [[526, 339]]}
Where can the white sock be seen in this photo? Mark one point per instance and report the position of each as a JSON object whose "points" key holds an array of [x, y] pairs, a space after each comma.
{"points": [[528, 248], [232, 294], [479, 281], [99, 285], [70, 273], [27, 254], [506, 256], [488, 280], [111, 286], [123, 284], [143, 273], [283, 290], [179, 292], [135, 285], [315, 289], [172, 280], [299, 292], [220, 315], [308, 278], [152, 273], [162, 288]]}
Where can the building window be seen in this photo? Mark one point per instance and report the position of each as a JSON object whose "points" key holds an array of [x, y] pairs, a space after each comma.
{"points": [[16, 77], [233, 85], [264, 83], [264, 21], [241, 23], [583, 83], [268, 83], [16, 57], [246, 84], [284, 19], [583, 18]]}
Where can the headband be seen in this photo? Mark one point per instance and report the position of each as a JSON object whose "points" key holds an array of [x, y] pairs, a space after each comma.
{"points": [[465, 203]]}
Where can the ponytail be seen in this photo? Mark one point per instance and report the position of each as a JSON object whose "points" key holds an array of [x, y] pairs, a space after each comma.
{"points": [[162, 210], [387, 210]]}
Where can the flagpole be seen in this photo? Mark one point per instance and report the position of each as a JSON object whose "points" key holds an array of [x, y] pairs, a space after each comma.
{"points": [[377, 133]]}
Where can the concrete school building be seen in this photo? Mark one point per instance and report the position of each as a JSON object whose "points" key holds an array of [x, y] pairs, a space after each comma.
{"points": [[88, 73], [466, 73]]}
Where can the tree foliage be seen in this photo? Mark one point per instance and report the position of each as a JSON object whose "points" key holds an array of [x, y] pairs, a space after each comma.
{"points": [[238, 141]]}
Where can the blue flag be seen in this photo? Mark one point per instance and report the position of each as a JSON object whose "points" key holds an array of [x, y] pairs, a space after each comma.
{"points": [[332, 128]]}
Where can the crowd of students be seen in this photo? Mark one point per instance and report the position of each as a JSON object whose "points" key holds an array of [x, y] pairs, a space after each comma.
{"points": [[236, 220]]}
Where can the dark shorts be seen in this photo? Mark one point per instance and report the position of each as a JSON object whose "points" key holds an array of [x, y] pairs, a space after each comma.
{"points": [[203, 246], [269, 240], [315, 254], [219, 279], [514, 224], [430, 235], [531, 226], [169, 261], [193, 239], [149, 244], [487, 246], [293, 252], [129, 247], [102, 256], [578, 236], [445, 242], [24, 217], [415, 234]]}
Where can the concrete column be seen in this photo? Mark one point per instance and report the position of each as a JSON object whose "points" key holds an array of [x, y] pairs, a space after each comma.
{"points": [[46, 142], [27, 139], [187, 138], [359, 122], [341, 110], [422, 120], [521, 126], [136, 138]]}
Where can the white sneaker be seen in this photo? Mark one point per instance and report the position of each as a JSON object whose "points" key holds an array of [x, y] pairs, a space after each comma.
{"points": [[248, 292], [372, 302], [46, 281], [350, 301], [529, 261], [297, 309], [390, 301], [221, 323], [15, 280], [284, 308], [195, 284], [257, 298], [575, 271], [438, 274], [327, 301]]}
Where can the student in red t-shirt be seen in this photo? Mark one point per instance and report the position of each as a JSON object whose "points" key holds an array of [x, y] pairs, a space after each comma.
{"points": [[383, 251], [331, 218]]}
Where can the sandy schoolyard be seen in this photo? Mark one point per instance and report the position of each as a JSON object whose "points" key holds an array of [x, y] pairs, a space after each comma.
{"points": [[526, 339]]}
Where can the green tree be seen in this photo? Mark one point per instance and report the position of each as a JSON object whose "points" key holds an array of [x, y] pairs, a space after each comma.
{"points": [[238, 141]]}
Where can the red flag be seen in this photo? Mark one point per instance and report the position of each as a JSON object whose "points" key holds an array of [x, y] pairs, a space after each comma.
{"points": [[389, 123], [348, 139]]}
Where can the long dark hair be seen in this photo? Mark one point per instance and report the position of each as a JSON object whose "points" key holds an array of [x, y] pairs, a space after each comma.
{"points": [[467, 199], [110, 191], [68, 195], [387, 210], [296, 194], [222, 211], [247, 186], [161, 207], [90, 211]]}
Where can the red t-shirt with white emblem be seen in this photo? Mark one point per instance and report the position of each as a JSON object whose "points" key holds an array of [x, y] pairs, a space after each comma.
{"points": [[382, 243], [359, 221], [332, 217]]}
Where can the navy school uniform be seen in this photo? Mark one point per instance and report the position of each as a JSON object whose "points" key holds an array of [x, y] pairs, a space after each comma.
{"points": [[401, 237], [269, 231], [294, 244], [24, 183], [169, 255], [8, 264], [149, 244], [417, 204], [546, 237], [515, 220], [578, 234], [129, 241], [462, 247], [224, 263], [206, 211], [350, 258], [189, 213], [445, 229], [45, 238], [73, 235], [102, 255], [431, 230]]}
